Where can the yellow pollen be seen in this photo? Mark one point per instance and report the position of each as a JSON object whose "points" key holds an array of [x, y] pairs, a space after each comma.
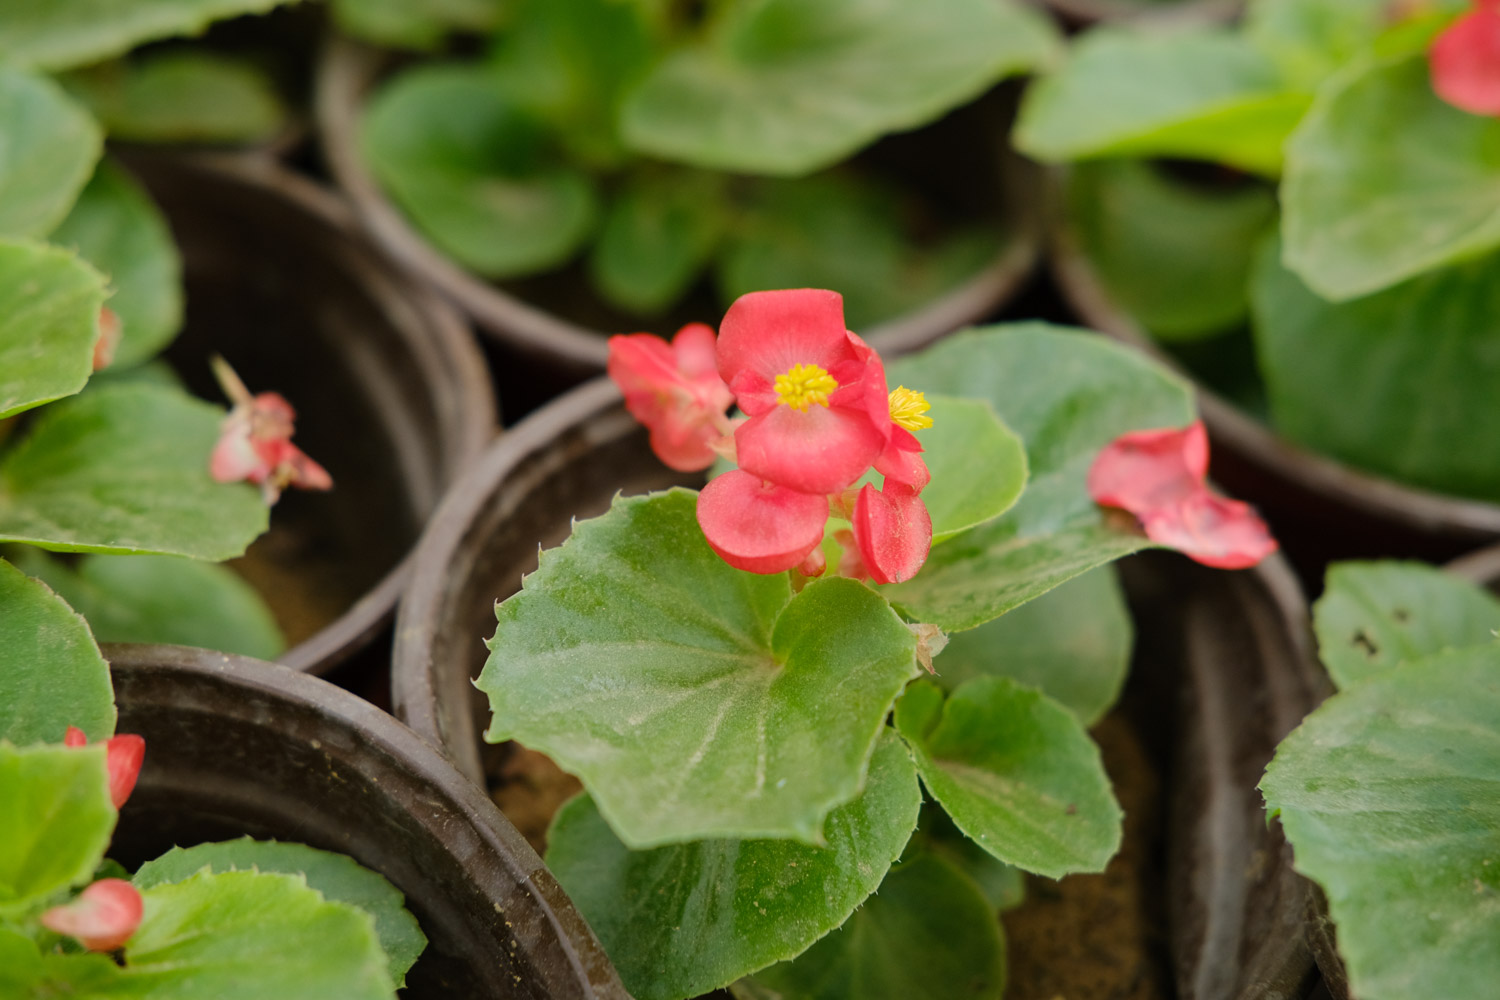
{"points": [[805, 385], [909, 409]]}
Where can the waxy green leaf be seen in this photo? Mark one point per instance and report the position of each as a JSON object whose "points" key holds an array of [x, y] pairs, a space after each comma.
{"points": [[1016, 771], [1003, 885], [693, 699], [1376, 616], [181, 96], [681, 920], [928, 934], [56, 822], [51, 673], [1067, 394], [1390, 796], [51, 146], [49, 321], [125, 469], [787, 87], [658, 236]]}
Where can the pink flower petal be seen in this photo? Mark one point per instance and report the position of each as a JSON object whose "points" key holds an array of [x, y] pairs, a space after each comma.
{"points": [[123, 757], [697, 353], [1465, 61], [102, 918], [764, 334], [902, 460], [758, 526], [893, 530], [75, 738], [1212, 530], [675, 391], [820, 450], [1145, 470]]}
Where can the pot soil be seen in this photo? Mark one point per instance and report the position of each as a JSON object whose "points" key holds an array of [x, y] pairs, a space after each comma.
{"points": [[1202, 898], [554, 324], [241, 747], [390, 388]]}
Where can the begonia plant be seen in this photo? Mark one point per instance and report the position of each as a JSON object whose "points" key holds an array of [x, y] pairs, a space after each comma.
{"points": [[736, 674]]}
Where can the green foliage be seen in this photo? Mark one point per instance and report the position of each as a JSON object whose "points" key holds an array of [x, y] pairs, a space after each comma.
{"points": [[56, 822], [1390, 796], [788, 87], [162, 599], [339, 878], [1017, 773], [1003, 885], [928, 934], [49, 320], [678, 921], [691, 697], [51, 673], [125, 469], [181, 96], [659, 234], [51, 146], [403, 24]]}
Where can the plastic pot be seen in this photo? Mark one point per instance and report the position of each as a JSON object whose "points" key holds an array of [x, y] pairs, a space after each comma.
{"points": [[1224, 670]]}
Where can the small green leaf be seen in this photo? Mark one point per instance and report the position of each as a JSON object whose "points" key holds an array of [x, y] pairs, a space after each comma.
{"points": [[118, 228], [1204, 93], [475, 173], [1310, 40], [928, 934], [1016, 771], [1390, 796], [1073, 644], [691, 697], [49, 321], [1363, 212], [162, 599], [56, 822], [1067, 394], [1375, 616], [681, 920], [51, 673], [403, 24], [181, 96], [659, 234], [1003, 885], [51, 146], [125, 469], [338, 877], [1400, 382], [788, 87], [978, 465]]}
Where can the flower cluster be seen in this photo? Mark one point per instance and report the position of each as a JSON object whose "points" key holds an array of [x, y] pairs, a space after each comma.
{"points": [[255, 442], [817, 417], [1465, 60]]}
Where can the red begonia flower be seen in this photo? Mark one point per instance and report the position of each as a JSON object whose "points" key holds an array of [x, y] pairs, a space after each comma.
{"points": [[1212, 530], [674, 390], [110, 330], [255, 442], [893, 531], [816, 401], [759, 526], [102, 918], [123, 757], [902, 458], [1465, 61]]}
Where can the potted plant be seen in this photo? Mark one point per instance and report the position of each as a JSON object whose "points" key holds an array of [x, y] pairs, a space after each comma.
{"points": [[603, 159], [1168, 223], [631, 590]]}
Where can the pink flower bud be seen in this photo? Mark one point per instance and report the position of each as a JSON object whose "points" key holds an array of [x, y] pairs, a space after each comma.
{"points": [[1465, 61], [123, 757], [102, 918]]}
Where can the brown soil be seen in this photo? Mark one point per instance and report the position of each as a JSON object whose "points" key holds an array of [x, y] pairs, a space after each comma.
{"points": [[304, 593]]}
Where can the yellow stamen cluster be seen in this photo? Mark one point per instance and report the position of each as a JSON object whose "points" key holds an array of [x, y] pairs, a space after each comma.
{"points": [[909, 409], [805, 385]]}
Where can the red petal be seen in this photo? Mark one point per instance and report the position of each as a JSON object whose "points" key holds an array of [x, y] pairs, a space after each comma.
{"points": [[894, 532], [645, 369], [1212, 530], [306, 474], [125, 754], [765, 333], [675, 391], [1465, 61], [1146, 470], [696, 351], [75, 738], [758, 526], [103, 917], [821, 450], [235, 458], [902, 460]]}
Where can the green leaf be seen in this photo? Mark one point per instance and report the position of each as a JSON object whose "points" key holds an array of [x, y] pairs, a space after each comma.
{"points": [[1016, 771], [691, 697], [1003, 885], [57, 34], [125, 469], [1364, 212], [181, 96], [928, 934], [1400, 382], [56, 822], [1205, 93], [1390, 796], [658, 236], [26, 972], [978, 465], [1310, 40], [118, 228], [163, 599], [49, 321], [1376, 616], [1073, 644], [789, 87], [1175, 255], [51, 673], [338, 877], [853, 233], [1067, 394], [403, 24], [51, 146], [474, 172], [681, 920]]}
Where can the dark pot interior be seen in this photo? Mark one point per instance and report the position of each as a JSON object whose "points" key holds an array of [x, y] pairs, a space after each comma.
{"points": [[1223, 670], [237, 746], [391, 391]]}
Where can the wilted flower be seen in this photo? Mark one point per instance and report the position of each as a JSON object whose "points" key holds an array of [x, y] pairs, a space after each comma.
{"points": [[255, 442]]}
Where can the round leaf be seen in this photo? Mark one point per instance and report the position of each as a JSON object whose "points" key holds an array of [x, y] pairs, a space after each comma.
{"points": [[56, 822], [181, 96], [49, 320], [51, 146], [658, 236]]}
